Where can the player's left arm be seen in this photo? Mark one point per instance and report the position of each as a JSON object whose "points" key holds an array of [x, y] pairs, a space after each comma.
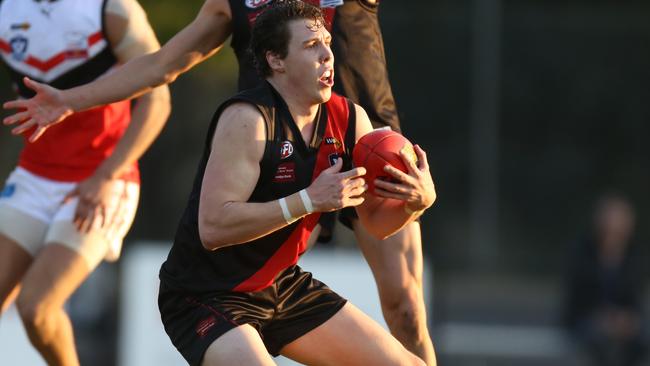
{"points": [[395, 204], [130, 36]]}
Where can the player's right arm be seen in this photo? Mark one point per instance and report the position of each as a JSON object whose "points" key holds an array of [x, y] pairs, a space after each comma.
{"points": [[232, 172], [196, 42]]}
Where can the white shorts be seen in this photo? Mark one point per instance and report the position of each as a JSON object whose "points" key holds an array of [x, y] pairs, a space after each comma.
{"points": [[32, 213]]}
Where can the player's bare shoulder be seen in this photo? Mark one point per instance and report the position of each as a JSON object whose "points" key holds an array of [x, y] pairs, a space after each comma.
{"points": [[216, 8], [363, 125], [241, 125]]}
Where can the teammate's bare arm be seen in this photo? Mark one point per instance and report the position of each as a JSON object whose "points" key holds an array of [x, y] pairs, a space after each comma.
{"points": [[130, 36]]}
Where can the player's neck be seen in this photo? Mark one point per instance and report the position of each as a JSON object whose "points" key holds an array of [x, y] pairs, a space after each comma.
{"points": [[302, 110]]}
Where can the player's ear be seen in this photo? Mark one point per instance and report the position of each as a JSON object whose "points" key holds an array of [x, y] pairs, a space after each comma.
{"points": [[276, 63]]}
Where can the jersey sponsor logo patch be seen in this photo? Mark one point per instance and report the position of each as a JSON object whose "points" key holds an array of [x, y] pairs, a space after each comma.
{"points": [[286, 150], [256, 3], [18, 46], [286, 173], [333, 141], [8, 191], [204, 326]]}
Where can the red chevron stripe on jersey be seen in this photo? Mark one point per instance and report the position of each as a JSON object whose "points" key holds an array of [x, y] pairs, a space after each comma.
{"points": [[56, 60], [286, 256], [4, 46]]}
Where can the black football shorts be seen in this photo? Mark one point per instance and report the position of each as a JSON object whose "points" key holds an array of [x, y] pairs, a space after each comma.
{"points": [[295, 304]]}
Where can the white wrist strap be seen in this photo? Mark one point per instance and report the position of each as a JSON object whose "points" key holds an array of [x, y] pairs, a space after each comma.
{"points": [[306, 201], [285, 211]]}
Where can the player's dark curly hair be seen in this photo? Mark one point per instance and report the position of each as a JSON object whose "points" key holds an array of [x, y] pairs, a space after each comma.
{"points": [[271, 33]]}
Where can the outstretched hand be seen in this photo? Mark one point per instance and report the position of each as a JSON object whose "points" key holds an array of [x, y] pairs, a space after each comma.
{"points": [[42, 111]]}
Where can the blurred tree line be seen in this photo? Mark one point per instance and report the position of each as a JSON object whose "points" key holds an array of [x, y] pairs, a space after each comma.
{"points": [[573, 120]]}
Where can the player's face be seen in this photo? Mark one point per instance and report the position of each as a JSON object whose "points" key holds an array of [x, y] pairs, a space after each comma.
{"points": [[309, 63]]}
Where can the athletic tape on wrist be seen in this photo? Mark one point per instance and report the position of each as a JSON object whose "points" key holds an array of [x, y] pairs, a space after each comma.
{"points": [[306, 201], [285, 211]]}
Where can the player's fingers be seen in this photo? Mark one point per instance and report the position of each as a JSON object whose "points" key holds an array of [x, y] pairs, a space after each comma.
{"points": [[14, 104], [388, 186], [354, 201], [398, 174], [15, 118], [338, 164], [358, 191], [355, 182], [99, 218], [39, 131], [78, 222], [422, 158], [23, 127], [86, 219], [353, 186], [117, 209], [410, 160], [35, 86], [72, 194], [388, 194], [353, 173]]}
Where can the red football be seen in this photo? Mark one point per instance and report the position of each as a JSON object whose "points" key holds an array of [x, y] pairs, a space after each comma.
{"points": [[378, 148]]}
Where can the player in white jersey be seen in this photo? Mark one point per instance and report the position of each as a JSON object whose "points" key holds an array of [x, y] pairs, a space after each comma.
{"points": [[73, 196]]}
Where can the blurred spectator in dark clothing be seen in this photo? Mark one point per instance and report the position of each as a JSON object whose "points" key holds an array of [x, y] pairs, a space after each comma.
{"points": [[606, 289]]}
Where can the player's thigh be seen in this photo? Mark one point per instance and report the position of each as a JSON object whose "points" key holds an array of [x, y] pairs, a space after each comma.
{"points": [[14, 262], [100, 242], [239, 346], [349, 338], [56, 272], [21, 237], [313, 237], [396, 262]]}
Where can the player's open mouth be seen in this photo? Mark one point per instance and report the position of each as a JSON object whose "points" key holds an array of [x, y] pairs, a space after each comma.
{"points": [[327, 79]]}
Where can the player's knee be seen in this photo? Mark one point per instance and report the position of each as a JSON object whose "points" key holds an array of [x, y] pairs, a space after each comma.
{"points": [[34, 315], [405, 312], [417, 361], [410, 359]]}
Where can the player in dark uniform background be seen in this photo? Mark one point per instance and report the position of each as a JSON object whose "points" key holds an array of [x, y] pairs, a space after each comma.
{"points": [[360, 75], [231, 291]]}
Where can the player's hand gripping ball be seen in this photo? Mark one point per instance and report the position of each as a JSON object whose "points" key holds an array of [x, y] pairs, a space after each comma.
{"points": [[378, 148]]}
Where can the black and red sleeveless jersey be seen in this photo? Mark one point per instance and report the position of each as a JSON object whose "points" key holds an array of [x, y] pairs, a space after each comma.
{"points": [[359, 61], [289, 164]]}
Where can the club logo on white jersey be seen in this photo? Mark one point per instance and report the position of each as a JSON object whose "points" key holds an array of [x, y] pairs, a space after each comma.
{"points": [[286, 150], [256, 3], [18, 46]]}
